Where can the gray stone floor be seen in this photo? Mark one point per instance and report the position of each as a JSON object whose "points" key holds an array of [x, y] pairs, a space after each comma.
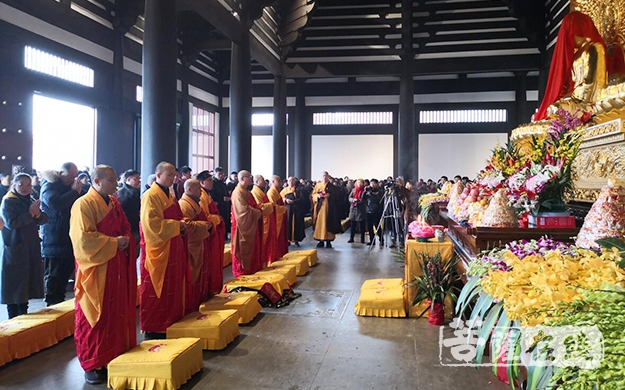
{"points": [[318, 343]]}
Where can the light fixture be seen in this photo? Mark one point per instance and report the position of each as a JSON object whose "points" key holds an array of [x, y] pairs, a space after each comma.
{"points": [[19, 157]]}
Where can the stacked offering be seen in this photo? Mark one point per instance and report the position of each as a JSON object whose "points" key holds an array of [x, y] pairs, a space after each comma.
{"points": [[606, 218], [499, 213]]}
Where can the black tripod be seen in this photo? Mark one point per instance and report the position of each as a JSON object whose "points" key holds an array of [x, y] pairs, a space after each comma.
{"points": [[393, 215]]}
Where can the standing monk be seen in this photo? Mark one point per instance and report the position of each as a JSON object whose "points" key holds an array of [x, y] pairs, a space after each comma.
{"points": [[282, 243], [163, 255], [106, 276], [295, 198], [246, 235], [213, 267], [268, 246], [198, 231], [325, 196]]}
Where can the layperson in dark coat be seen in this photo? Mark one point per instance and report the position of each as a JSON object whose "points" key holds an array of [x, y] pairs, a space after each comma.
{"points": [[221, 196], [22, 266], [295, 200], [129, 197], [357, 210], [374, 201], [59, 191]]}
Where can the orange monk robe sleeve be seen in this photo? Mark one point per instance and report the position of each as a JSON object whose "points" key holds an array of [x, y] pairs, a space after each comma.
{"points": [[265, 206], [319, 188], [157, 233], [197, 232], [276, 199], [205, 201], [246, 218], [92, 251]]}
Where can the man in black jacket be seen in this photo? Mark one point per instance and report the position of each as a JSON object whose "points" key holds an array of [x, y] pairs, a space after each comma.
{"points": [[221, 196], [374, 206], [129, 197], [59, 191]]}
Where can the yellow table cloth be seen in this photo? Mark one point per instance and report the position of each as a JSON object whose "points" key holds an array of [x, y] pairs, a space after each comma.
{"points": [[5, 355], [245, 303], [381, 298], [413, 268], [216, 328], [278, 282], [156, 365], [288, 271], [311, 254], [27, 336], [62, 314], [300, 263], [227, 255]]}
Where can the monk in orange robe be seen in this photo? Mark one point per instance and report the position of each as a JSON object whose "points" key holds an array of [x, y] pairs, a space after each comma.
{"points": [[164, 264], [106, 276], [268, 246], [197, 232], [246, 229], [282, 242], [213, 267]]}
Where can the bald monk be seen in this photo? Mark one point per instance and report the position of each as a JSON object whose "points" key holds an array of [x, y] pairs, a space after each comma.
{"points": [[197, 231], [164, 263], [326, 219], [106, 276], [213, 267], [246, 229], [268, 245], [282, 242]]}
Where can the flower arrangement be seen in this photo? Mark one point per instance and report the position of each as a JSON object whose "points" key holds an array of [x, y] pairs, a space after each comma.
{"points": [[437, 282], [533, 287], [495, 259], [537, 180]]}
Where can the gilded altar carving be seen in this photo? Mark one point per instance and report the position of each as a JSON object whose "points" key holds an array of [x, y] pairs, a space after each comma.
{"points": [[599, 163], [602, 129]]}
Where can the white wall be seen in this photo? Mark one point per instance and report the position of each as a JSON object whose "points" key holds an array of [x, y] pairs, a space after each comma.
{"points": [[455, 154], [262, 155], [365, 156]]}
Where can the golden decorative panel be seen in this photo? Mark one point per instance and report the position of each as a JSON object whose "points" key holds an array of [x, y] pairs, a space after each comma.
{"points": [[608, 16]]}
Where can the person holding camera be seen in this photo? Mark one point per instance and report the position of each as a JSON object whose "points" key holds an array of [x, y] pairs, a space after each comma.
{"points": [[374, 207], [357, 210]]}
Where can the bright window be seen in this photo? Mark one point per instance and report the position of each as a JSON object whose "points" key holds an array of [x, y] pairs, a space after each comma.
{"points": [[463, 116], [55, 66], [353, 118], [203, 152]]}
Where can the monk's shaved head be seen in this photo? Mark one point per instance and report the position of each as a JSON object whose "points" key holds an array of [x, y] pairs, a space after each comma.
{"points": [[258, 179], [164, 166], [243, 174], [103, 171], [191, 183]]}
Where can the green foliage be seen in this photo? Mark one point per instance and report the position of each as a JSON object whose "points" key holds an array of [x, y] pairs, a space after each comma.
{"points": [[438, 280]]}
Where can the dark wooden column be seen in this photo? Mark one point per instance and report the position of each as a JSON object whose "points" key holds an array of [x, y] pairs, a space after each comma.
{"points": [[184, 130], [279, 126], [299, 133], [520, 98], [158, 131], [407, 158], [241, 102]]}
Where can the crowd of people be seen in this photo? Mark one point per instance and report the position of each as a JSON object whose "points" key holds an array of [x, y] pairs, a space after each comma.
{"points": [[92, 225]]}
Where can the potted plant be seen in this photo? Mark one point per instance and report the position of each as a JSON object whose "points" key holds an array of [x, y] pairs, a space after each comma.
{"points": [[437, 282]]}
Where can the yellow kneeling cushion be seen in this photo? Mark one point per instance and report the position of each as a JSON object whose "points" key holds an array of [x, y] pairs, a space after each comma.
{"points": [[156, 365], [27, 336], [288, 271], [256, 282], [5, 355], [381, 298], [215, 328], [245, 303], [300, 262], [227, 255], [63, 315], [311, 254]]}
